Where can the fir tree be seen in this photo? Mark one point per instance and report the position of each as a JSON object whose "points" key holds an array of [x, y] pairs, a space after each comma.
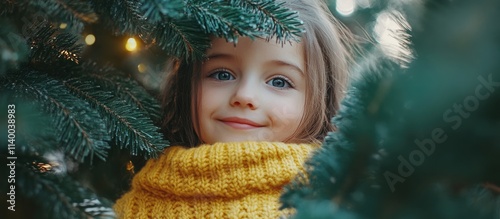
{"points": [[419, 141]]}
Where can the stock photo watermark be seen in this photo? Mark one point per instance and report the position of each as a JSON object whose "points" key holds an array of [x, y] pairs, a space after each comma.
{"points": [[29, 27], [454, 116], [11, 159]]}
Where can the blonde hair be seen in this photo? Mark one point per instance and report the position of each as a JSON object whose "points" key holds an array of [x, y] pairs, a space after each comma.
{"points": [[327, 48]]}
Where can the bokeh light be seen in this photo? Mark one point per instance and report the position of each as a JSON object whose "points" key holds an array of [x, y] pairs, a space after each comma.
{"points": [[142, 68], [345, 7], [90, 39], [63, 25], [131, 44]]}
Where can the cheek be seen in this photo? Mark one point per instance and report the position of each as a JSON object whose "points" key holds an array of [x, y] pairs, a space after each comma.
{"points": [[288, 116], [201, 106], [209, 100], [292, 115], [286, 122]]}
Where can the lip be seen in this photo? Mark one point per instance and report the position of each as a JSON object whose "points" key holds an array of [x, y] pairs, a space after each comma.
{"points": [[240, 123]]}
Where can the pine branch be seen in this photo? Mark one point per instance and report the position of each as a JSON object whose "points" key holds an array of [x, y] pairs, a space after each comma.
{"points": [[420, 162], [171, 19], [181, 38], [34, 131], [129, 128], [221, 20], [121, 16], [77, 125], [110, 79], [74, 13], [230, 19], [346, 155], [50, 49], [60, 196], [156, 10], [273, 18]]}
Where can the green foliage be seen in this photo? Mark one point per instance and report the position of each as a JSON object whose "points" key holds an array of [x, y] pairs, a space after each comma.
{"points": [[76, 123], [238, 18], [87, 118], [129, 127], [183, 39], [59, 196], [33, 13], [50, 48], [272, 18], [169, 19], [121, 16], [125, 87], [74, 13], [156, 10], [227, 19], [421, 141], [13, 47]]}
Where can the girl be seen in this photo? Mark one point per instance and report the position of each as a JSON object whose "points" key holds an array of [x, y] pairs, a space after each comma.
{"points": [[247, 118]]}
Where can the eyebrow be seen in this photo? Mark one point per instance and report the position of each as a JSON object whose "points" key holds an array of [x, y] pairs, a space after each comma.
{"points": [[219, 55], [284, 63], [275, 61]]}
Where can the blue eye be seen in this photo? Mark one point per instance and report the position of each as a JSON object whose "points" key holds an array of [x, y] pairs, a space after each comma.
{"points": [[222, 75], [280, 82]]}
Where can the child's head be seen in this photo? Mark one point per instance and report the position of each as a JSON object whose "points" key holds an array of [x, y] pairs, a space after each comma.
{"points": [[261, 90]]}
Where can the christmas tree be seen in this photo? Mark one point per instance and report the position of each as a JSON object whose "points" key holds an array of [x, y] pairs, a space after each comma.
{"points": [[418, 132], [77, 127]]}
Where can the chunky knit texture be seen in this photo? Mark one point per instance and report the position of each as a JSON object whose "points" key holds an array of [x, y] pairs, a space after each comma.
{"points": [[222, 180]]}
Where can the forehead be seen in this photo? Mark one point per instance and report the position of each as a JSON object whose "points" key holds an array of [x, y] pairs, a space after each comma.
{"points": [[259, 50]]}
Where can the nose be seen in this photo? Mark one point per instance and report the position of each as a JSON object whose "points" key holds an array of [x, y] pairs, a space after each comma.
{"points": [[245, 95]]}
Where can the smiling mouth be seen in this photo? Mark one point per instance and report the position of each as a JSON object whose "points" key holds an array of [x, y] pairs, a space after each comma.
{"points": [[239, 123]]}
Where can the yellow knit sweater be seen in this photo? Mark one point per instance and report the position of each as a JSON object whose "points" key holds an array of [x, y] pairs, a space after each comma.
{"points": [[222, 180]]}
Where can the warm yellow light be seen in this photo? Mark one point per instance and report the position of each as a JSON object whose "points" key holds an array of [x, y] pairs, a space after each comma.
{"points": [[90, 39], [63, 25], [131, 44], [142, 68]]}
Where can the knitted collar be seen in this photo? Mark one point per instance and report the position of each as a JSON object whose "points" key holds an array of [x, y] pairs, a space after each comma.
{"points": [[228, 170]]}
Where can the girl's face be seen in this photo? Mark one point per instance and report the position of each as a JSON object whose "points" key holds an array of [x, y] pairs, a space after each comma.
{"points": [[252, 92]]}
